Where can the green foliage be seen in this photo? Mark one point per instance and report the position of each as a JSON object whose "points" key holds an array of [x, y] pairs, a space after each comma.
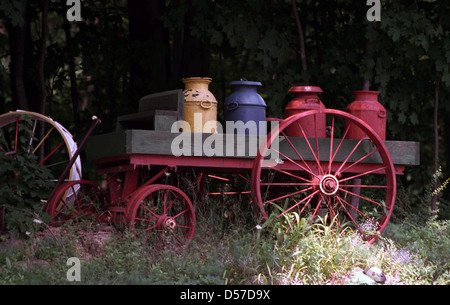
{"points": [[23, 185], [13, 11], [399, 55], [408, 253], [403, 56], [429, 243]]}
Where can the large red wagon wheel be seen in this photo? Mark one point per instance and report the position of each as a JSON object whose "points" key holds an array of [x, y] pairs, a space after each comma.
{"points": [[161, 215], [33, 133], [75, 200], [351, 181]]}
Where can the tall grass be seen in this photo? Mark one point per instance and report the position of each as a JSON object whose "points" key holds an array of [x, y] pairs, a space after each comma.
{"points": [[230, 247]]}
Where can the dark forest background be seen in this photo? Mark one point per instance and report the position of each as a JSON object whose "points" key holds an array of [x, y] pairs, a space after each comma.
{"points": [[122, 50]]}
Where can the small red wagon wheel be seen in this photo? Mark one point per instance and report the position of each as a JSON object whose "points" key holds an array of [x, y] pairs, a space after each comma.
{"points": [[77, 199], [161, 215], [351, 181]]}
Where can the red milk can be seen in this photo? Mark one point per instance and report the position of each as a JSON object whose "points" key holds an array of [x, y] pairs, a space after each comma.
{"points": [[367, 108], [306, 98]]}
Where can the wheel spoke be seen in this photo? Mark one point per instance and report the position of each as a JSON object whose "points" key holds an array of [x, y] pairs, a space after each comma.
{"points": [[330, 208], [176, 238], [317, 145], [288, 195], [287, 184], [365, 186], [43, 139], [310, 148], [149, 210], [64, 203], [315, 212], [298, 154], [181, 213], [361, 159], [363, 174], [164, 201], [343, 204], [171, 203], [290, 174], [348, 157], [340, 143], [361, 197], [293, 162], [77, 198], [30, 143], [308, 198], [331, 145], [50, 154]]}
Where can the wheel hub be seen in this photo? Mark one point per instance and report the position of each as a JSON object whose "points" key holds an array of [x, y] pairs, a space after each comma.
{"points": [[166, 222], [170, 223], [329, 185]]}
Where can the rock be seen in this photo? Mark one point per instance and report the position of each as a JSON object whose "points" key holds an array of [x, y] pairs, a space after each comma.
{"points": [[376, 274], [360, 278]]}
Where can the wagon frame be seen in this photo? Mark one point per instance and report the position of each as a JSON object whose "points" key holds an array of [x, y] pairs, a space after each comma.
{"points": [[310, 175]]}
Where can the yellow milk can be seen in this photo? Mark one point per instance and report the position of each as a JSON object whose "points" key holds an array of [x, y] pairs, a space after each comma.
{"points": [[200, 105]]}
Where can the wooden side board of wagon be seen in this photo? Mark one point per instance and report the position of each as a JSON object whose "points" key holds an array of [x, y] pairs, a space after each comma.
{"points": [[172, 146]]}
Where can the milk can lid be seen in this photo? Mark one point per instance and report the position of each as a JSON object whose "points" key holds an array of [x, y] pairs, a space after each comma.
{"points": [[305, 89], [245, 83]]}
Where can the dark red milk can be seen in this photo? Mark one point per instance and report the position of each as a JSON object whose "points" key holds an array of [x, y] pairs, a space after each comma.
{"points": [[306, 98], [366, 107]]}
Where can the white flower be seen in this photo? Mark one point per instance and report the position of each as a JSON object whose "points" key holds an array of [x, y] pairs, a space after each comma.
{"points": [[37, 220], [258, 227]]}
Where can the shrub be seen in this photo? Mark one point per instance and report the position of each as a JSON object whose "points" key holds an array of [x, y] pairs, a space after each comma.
{"points": [[23, 185]]}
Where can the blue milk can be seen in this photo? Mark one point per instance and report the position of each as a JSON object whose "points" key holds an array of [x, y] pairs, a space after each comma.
{"points": [[246, 105]]}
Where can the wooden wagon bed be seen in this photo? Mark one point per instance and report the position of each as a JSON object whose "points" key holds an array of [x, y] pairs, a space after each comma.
{"points": [[134, 147]]}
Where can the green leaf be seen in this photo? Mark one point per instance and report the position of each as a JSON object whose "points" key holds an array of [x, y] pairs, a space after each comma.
{"points": [[414, 119]]}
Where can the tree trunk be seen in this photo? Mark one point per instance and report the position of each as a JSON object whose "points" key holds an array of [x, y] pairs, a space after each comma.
{"points": [[17, 46], [436, 141], [73, 79], [149, 54], [43, 51], [300, 36], [195, 56]]}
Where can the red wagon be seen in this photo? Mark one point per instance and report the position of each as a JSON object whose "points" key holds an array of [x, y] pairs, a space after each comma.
{"points": [[351, 180]]}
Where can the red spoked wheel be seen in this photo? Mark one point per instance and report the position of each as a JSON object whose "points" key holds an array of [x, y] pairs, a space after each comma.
{"points": [[76, 200], [161, 215], [351, 181]]}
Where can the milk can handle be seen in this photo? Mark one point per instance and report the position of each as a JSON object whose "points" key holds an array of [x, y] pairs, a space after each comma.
{"points": [[312, 99], [206, 104], [232, 106]]}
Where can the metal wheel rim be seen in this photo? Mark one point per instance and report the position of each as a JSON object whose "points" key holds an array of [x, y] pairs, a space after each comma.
{"points": [[71, 146], [167, 223], [387, 165], [76, 199]]}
